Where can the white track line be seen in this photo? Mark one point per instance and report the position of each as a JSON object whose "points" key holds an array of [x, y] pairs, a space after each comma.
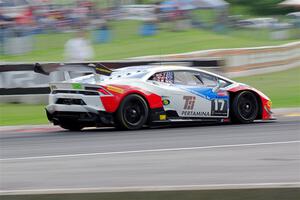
{"points": [[147, 151], [153, 188]]}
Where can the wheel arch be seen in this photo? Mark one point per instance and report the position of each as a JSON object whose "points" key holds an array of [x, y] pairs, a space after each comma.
{"points": [[153, 100], [232, 94], [118, 116], [135, 93], [112, 103]]}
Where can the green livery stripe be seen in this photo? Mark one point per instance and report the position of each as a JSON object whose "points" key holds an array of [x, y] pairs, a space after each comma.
{"points": [[76, 86]]}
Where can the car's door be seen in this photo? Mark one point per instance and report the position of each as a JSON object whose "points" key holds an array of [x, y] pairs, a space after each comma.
{"points": [[190, 104], [203, 98], [213, 91]]}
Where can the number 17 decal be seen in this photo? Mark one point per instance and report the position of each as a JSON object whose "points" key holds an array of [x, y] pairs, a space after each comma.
{"points": [[219, 104], [219, 107]]}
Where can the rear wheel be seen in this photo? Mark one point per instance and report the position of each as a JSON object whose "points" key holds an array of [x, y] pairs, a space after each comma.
{"points": [[132, 113], [71, 125], [245, 107]]}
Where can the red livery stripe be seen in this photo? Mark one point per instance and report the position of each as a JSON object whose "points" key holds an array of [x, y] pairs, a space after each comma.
{"points": [[119, 92]]}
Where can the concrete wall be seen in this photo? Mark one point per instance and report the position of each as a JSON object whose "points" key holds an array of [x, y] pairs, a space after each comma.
{"points": [[247, 61]]}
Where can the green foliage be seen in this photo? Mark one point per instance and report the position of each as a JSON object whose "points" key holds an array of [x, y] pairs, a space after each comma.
{"points": [[263, 7]]}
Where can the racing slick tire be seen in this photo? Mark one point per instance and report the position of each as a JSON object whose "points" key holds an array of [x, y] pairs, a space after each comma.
{"points": [[245, 107], [71, 125], [132, 113]]}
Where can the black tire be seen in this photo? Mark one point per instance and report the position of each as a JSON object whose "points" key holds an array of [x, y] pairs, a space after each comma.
{"points": [[132, 113], [244, 107], [71, 125]]}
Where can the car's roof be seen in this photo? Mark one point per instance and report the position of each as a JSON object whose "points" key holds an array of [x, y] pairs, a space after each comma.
{"points": [[143, 73], [154, 68], [151, 69], [170, 67]]}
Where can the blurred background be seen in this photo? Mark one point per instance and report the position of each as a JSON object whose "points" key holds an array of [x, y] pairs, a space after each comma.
{"points": [[37, 30], [255, 39]]}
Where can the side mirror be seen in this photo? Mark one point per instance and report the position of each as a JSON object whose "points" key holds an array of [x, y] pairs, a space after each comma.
{"points": [[219, 85]]}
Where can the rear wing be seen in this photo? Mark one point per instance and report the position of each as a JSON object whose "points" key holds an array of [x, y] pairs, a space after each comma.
{"points": [[47, 68]]}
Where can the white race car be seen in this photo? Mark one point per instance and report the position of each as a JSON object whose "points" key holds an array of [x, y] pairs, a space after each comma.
{"points": [[133, 97]]}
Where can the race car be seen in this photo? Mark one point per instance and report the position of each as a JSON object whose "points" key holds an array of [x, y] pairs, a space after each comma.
{"points": [[135, 97]]}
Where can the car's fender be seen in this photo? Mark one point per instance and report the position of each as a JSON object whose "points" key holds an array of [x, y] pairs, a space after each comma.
{"points": [[119, 92], [265, 101]]}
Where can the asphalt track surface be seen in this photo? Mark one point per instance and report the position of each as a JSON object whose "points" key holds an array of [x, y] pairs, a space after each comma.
{"points": [[204, 155]]}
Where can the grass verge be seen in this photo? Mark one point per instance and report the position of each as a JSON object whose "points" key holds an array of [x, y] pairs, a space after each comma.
{"points": [[126, 42], [282, 87], [21, 114]]}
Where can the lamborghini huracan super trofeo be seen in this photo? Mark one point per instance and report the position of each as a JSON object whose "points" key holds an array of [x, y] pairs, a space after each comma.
{"points": [[134, 97]]}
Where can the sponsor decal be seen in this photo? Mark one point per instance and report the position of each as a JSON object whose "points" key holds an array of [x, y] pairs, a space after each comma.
{"points": [[189, 108], [166, 102], [189, 102], [115, 89], [76, 86], [195, 113], [162, 117]]}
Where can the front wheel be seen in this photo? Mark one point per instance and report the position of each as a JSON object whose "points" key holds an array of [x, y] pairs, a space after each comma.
{"points": [[132, 113], [245, 107]]}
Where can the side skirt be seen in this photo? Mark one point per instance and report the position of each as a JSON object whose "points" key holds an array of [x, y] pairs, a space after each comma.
{"points": [[193, 120]]}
